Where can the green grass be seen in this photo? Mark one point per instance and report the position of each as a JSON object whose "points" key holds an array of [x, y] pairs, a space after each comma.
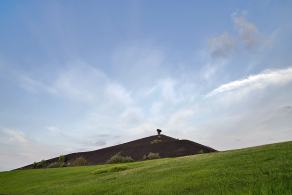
{"points": [[260, 170]]}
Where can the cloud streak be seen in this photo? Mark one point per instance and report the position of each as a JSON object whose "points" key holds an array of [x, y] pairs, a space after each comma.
{"points": [[259, 81], [79, 82]]}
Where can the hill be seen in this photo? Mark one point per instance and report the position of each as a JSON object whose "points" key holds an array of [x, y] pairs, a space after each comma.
{"points": [[164, 145], [258, 170]]}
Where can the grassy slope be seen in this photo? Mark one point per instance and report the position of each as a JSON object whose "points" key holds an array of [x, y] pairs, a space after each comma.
{"points": [[260, 170]]}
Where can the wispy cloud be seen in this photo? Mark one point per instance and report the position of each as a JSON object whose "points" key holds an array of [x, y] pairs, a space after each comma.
{"points": [[79, 82], [258, 81], [142, 62], [248, 32], [14, 136], [115, 92], [221, 46], [224, 44], [17, 149]]}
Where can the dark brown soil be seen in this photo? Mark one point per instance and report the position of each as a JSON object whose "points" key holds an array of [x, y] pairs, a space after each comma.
{"points": [[164, 145]]}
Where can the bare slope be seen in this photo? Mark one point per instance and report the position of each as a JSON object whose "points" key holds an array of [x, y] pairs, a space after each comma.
{"points": [[164, 145]]}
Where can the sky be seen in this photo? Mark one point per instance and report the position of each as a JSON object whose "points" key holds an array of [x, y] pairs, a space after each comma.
{"points": [[83, 75]]}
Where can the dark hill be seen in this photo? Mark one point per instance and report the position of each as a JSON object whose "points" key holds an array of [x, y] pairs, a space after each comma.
{"points": [[164, 145]]}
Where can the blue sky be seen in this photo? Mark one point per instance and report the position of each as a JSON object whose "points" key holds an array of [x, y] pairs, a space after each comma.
{"points": [[82, 75]]}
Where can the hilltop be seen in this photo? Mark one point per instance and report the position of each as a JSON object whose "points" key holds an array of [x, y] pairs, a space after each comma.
{"points": [[162, 145], [258, 170]]}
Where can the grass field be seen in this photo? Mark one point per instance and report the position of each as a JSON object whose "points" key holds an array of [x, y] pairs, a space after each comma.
{"points": [[259, 170]]}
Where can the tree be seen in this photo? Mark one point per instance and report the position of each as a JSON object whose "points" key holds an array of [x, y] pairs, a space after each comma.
{"points": [[62, 158], [80, 161]]}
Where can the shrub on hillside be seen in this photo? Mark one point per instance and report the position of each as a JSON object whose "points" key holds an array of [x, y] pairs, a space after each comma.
{"points": [[156, 141], [118, 158], [60, 163], [56, 164], [34, 165], [80, 161], [201, 151], [41, 164], [153, 155]]}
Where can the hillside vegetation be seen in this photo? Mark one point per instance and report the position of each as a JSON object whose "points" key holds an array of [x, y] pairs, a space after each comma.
{"points": [[259, 170]]}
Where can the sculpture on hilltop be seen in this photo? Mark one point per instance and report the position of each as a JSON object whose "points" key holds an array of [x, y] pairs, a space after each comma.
{"points": [[159, 131]]}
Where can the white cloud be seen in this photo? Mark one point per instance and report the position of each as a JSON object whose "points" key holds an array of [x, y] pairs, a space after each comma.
{"points": [[259, 81]]}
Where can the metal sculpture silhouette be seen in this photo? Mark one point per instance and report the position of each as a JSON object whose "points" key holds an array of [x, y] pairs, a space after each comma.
{"points": [[158, 131]]}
